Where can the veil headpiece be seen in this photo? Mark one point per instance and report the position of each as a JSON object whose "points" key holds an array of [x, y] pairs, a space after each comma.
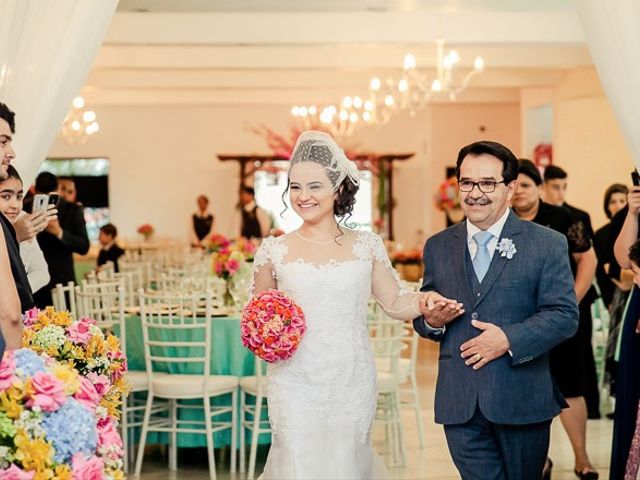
{"points": [[321, 148]]}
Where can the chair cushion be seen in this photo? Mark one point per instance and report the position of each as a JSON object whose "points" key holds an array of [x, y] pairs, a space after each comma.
{"points": [[250, 384], [138, 380], [192, 386]]}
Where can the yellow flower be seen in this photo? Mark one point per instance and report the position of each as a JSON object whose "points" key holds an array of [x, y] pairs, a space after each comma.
{"points": [[113, 343], [117, 474], [34, 454], [46, 474], [69, 377], [62, 318], [96, 347], [62, 472], [11, 399], [27, 336]]}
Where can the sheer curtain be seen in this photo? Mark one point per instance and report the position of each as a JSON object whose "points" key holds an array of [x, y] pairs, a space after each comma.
{"points": [[612, 28], [46, 50]]}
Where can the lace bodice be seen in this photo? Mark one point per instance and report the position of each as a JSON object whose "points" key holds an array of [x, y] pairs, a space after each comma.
{"points": [[362, 251]]}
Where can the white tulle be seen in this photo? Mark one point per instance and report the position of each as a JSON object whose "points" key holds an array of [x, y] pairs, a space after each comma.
{"points": [[322, 401]]}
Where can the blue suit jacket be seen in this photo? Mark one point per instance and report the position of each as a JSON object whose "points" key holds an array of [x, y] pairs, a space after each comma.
{"points": [[530, 296]]}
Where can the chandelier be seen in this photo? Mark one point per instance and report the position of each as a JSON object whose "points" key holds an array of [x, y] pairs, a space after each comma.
{"points": [[410, 92], [79, 124]]}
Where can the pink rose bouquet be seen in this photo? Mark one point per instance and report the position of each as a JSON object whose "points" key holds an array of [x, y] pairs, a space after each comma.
{"points": [[272, 326]]}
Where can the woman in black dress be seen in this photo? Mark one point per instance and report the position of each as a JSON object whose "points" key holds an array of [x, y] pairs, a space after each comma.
{"points": [[568, 361], [201, 223]]}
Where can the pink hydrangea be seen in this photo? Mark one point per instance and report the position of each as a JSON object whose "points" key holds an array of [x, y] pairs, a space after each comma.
{"points": [[87, 468], [48, 392], [7, 367], [16, 473]]}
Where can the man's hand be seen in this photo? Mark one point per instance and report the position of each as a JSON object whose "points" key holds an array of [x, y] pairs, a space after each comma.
{"points": [[54, 228], [438, 310], [492, 343]]}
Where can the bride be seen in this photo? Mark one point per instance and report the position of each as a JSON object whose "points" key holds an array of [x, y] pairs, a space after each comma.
{"points": [[322, 401]]}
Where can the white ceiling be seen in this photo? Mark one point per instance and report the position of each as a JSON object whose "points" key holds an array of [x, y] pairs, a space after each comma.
{"points": [[285, 52]]}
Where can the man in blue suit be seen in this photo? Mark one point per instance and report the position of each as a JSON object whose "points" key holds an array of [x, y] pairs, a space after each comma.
{"points": [[515, 301]]}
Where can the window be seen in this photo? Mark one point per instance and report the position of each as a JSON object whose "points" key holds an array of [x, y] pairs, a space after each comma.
{"points": [[269, 186]]}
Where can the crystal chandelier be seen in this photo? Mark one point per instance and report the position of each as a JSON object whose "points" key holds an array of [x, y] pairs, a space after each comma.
{"points": [[79, 124]]}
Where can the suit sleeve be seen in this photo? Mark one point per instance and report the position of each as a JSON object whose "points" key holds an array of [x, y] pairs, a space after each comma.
{"points": [[556, 317], [419, 323], [74, 235]]}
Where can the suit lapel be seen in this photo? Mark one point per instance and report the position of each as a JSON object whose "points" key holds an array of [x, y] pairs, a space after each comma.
{"points": [[511, 228], [460, 259]]}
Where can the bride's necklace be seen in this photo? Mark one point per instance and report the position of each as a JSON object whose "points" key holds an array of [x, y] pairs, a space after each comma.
{"points": [[317, 242]]}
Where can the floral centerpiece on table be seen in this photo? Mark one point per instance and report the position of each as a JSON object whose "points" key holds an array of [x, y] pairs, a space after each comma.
{"points": [[272, 326], [83, 346], [408, 263], [226, 263], [217, 242], [146, 230], [52, 425], [244, 246]]}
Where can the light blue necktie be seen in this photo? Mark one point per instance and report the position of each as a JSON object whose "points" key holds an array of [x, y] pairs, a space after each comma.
{"points": [[482, 260]]}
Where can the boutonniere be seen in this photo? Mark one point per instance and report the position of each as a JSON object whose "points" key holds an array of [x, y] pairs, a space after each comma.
{"points": [[507, 248]]}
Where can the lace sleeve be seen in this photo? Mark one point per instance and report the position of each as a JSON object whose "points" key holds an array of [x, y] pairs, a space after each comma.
{"points": [[263, 272], [386, 287]]}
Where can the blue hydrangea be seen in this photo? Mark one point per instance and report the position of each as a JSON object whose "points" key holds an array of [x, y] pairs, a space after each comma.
{"points": [[71, 429], [28, 362]]}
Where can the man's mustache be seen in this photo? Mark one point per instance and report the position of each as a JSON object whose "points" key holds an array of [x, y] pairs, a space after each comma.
{"points": [[479, 201]]}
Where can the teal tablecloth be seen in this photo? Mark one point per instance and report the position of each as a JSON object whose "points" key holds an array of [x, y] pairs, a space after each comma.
{"points": [[228, 357]]}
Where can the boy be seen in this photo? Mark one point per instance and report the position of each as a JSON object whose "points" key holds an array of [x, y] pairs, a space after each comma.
{"points": [[110, 252]]}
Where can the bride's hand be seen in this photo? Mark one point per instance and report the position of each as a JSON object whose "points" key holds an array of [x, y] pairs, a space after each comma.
{"points": [[438, 310]]}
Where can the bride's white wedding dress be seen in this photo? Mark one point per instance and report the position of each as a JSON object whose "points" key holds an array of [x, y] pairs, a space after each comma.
{"points": [[322, 401]]}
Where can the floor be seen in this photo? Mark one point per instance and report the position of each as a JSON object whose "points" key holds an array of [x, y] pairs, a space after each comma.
{"points": [[433, 462]]}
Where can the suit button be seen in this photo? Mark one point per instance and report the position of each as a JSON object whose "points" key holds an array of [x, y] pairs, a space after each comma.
{"points": [[474, 316], [478, 294]]}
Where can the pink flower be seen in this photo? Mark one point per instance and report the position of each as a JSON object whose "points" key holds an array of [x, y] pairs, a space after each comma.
{"points": [[87, 469], [108, 436], [87, 395], [48, 392], [100, 382], [232, 266], [31, 317], [15, 473], [7, 367], [80, 332]]}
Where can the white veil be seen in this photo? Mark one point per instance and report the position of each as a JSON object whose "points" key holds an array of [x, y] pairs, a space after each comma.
{"points": [[320, 147]]}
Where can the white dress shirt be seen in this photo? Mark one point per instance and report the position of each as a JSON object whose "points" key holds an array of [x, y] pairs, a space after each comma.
{"points": [[34, 263], [495, 230]]}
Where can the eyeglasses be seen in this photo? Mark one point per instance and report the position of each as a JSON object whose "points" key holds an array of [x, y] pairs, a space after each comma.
{"points": [[485, 186]]}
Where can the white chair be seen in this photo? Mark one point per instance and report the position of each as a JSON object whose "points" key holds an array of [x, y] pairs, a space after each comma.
{"points": [[64, 299], [165, 319], [251, 415], [385, 336], [407, 374], [104, 302]]}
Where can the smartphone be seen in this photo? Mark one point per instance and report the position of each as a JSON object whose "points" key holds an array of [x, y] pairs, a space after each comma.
{"points": [[635, 178], [40, 202], [54, 199]]}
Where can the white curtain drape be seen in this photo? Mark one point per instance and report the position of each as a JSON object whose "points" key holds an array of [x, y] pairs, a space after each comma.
{"points": [[46, 50], [612, 29]]}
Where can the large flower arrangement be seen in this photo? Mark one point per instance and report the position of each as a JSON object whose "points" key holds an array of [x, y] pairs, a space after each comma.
{"points": [[272, 326], [230, 257], [52, 423], [218, 242], [83, 346]]}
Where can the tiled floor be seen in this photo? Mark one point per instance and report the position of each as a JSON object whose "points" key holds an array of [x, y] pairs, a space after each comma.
{"points": [[431, 463]]}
